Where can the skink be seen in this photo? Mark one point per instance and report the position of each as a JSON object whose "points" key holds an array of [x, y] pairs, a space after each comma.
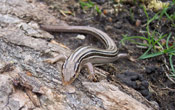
{"points": [[82, 55]]}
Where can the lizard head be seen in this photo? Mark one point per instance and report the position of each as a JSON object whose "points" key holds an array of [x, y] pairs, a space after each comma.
{"points": [[69, 72]]}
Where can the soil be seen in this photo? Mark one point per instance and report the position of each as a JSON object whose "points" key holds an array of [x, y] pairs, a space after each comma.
{"points": [[147, 76]]}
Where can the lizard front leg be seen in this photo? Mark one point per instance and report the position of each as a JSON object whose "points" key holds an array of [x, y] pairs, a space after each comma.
{"points": [[91, 71]]}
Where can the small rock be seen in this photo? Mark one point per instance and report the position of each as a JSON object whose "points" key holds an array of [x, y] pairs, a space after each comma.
{"points": [[138, 23], [80, 36]]}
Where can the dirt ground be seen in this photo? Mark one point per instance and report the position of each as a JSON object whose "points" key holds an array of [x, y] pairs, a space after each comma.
{"points": [[147, 76]]}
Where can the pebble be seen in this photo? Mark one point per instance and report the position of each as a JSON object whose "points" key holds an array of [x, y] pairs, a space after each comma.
{"points": [[80, 36], [138, 23]]}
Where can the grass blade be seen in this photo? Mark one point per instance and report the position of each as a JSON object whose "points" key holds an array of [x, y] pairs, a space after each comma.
{"points": [[171, 64], [151, 55]]}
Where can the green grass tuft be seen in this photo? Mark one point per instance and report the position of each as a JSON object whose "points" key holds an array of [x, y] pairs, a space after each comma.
{"points": [[153, 39], [89, 4]]}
